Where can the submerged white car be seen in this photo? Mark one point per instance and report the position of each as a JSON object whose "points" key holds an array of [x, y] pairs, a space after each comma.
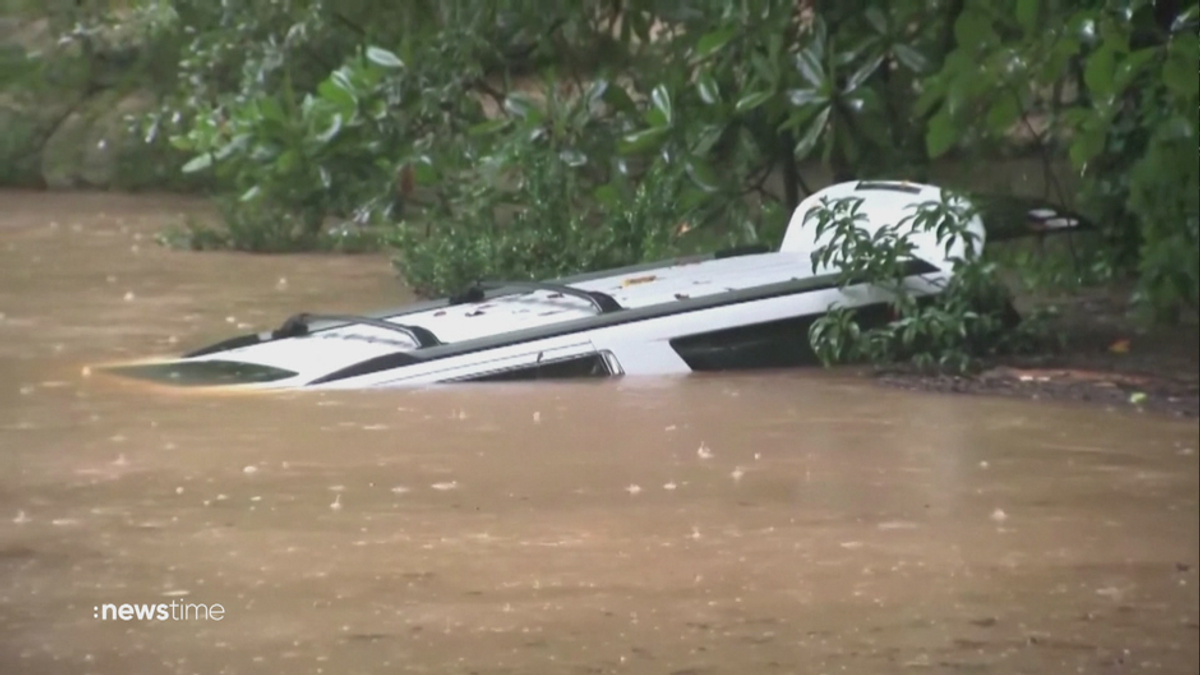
{"points": [[736, 309]]}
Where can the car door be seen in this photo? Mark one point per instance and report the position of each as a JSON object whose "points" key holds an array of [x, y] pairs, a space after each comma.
{"points": [[514, 364]]}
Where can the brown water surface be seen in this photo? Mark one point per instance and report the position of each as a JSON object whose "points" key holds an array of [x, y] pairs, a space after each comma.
{"points": [[786, 523]]}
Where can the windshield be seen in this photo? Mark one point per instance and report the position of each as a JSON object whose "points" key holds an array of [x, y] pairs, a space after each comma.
{"points": [[203, 373]]}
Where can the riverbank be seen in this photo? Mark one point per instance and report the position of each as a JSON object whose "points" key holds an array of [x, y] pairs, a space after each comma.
{"points": [[1109, 360]]}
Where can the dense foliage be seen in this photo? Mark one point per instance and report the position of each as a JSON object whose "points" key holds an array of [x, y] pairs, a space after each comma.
{"points": [[971, 317], [535, 137]]}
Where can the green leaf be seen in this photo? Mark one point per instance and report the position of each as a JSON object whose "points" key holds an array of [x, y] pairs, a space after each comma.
{"points": [[765, 69], [307, 105], [383, 58], [1179, 72], [660, 97], [1184, 18], [338, 96], [1005, 111], [488, 127], [973, 29], [1061, 55], [251, 193], [708, 137], [1027, 14], [809, 140], [803, 97], [808, 63], [642, 140], [710, 91], [1178, 128], [859, 76], [928, 99], [424, 171], [941, 134], [608, 195], [845, 58], [378, 110], [331, 132], [236, 143], [341, 79], [1100, 70], [819, 36], [520, 105], [715, 40], [751, 101], [269, 109], [198, 163], [877, 19], [287, 161], [910, 58], [1086, 145], [1115, 34], [618, 98], [1131, 66], [702, 175]]}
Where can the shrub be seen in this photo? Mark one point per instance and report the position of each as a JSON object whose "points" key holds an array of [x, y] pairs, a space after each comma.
{"points": [[970, 318]]}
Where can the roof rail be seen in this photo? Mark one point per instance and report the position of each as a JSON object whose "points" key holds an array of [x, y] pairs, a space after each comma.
{"points": [[300, 325], [603, 302]]}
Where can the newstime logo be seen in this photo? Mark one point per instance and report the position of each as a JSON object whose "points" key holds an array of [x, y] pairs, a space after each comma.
{"points": [[172, 611]]}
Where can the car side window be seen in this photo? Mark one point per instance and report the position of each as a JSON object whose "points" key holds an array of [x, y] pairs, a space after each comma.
{"points": [[589, 366]]}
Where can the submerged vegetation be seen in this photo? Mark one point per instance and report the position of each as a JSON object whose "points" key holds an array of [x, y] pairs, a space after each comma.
{"points": [[530, 138]]}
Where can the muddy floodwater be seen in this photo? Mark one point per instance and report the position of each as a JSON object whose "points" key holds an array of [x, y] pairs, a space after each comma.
{"points": [[777, 523]]}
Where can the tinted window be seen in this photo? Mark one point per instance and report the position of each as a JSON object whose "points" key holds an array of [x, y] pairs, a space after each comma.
{"points": [[775, 344], [592, 365], [203, 373]]}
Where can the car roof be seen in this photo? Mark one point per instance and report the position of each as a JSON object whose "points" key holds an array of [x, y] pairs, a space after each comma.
{"points": [[669, 283]]}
